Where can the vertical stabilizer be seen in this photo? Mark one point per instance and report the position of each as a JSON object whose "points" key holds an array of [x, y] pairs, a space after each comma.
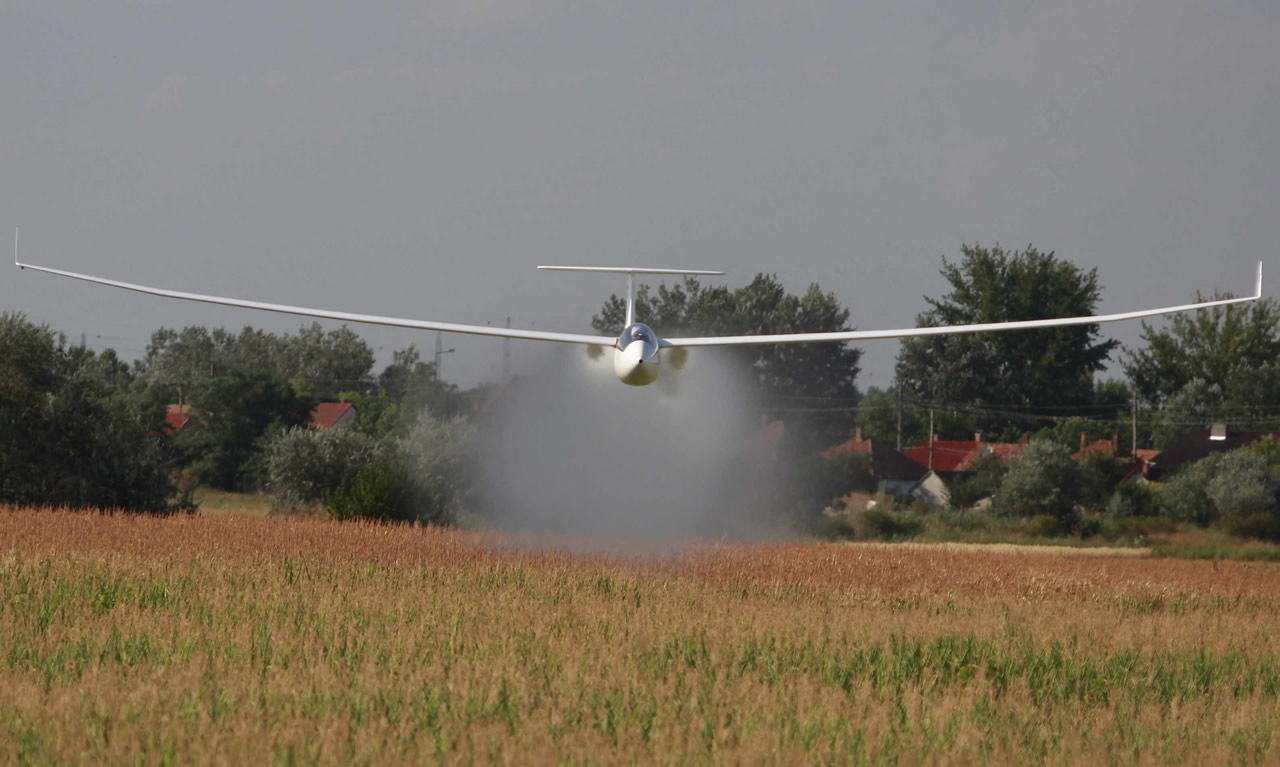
{"points": [[631, 272]]}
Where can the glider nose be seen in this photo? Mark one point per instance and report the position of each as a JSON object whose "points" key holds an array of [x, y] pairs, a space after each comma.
{"points": [[634, 366]]}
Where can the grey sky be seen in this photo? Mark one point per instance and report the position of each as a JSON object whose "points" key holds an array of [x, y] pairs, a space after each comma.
{"points": [[420, 159]]}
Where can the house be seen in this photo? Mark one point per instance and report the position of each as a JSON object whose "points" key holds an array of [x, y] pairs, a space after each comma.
{"points": [[950, 458], [175, 417], [1111, 447], [327, 415], [1200, 443], [932, 490], [896, 472]]}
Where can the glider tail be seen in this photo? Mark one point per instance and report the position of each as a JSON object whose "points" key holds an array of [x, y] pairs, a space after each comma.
{"points": [[631, 272]]}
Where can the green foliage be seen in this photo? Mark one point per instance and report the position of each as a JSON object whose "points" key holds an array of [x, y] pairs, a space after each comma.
{"points": [[1007, 372], [814, 482], [376, 492], [322, 363], [70, 434], [1241, 487], [234, 416], [1235, 348], [439, 454], [421, 476], [878, 415], [785, 374], [1231, 486], [1132, 499], [1044, 480], [407, 388], [304, 466], [1184, 496], [987, 473], [886, 525]]}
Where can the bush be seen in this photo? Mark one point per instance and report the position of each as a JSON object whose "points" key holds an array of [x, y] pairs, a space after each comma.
{"points": [[1241, 488], [814, 482], [1227, 485], [1132, 499], [1184, 497], [1260, 526], [378, 492], [1044, 480], [884, 525], [305, 466], [439, 454], [988, 473]]}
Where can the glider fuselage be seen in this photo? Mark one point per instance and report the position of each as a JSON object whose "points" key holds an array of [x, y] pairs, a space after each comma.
{"points": [[636, 355]]}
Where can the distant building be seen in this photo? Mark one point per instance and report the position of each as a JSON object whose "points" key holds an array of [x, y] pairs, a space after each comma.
{"points": [[175, 417], [898, 474], [950, 458], [328, 415], [1200, 443]]}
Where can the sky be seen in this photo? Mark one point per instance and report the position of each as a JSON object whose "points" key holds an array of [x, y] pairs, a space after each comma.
{"points": [[420, 159]]}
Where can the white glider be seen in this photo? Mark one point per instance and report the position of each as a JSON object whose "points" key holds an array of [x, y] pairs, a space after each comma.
{"points": [[637, 350]]}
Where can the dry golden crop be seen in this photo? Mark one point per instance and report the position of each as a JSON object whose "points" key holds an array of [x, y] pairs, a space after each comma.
{"points": [[238, 640]]}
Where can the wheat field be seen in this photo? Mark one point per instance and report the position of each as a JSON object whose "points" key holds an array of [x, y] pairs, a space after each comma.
{"points": [[224, 639]]}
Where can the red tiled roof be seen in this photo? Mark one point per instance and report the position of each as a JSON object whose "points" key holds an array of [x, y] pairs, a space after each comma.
{"points": [[886, 461], [1107, 446], [1002, 450], [326, 414], [948, 454], [175, 417], [960, 455]]}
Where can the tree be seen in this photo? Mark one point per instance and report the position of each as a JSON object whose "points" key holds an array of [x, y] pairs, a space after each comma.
{"points": [[68, 434], [1003, 377], [322, 363], [305, 466], [785, 375], [233, 415], [1044, 480], [1214, 364]]}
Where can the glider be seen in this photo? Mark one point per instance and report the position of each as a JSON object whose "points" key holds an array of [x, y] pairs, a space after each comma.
{"points": [[637, 350]]}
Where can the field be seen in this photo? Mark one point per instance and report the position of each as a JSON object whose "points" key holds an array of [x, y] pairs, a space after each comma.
{"points": [[239, 639]]}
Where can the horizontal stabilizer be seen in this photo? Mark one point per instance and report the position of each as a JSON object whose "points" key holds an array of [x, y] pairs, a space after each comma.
{"points": [[628, 270]]}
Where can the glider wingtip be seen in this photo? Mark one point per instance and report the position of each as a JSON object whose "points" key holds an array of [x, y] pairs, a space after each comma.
{"points": [[1257, 293]]}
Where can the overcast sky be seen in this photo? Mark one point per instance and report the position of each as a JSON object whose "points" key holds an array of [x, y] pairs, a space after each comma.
{"points": [[419, 159]]}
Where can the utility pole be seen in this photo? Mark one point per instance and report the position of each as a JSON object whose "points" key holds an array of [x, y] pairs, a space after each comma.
{"points": [[899, 415], [440, 352], [1133, 422]]}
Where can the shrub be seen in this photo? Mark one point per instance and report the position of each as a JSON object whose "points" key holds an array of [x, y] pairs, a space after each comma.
{"points": [[988, 473], [1241, 488], [308, 465], [1132, 499], [1044, 480], [1184, 497], [884, 525], [378, 491], [1261, 526], [439, 454], [814, 482]]}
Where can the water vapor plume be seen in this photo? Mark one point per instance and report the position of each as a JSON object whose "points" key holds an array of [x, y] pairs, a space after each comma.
{"points": [[572, 451]]}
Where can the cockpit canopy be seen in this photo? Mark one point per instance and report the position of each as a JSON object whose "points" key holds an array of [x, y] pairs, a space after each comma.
{"points": [[637, 332]]}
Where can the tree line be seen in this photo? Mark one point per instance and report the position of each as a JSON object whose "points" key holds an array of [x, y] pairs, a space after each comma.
{"points": [[87, 429]]}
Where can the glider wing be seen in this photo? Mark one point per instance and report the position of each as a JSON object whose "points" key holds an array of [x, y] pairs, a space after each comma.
{"points": [[372, 319], [984, 327]]}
